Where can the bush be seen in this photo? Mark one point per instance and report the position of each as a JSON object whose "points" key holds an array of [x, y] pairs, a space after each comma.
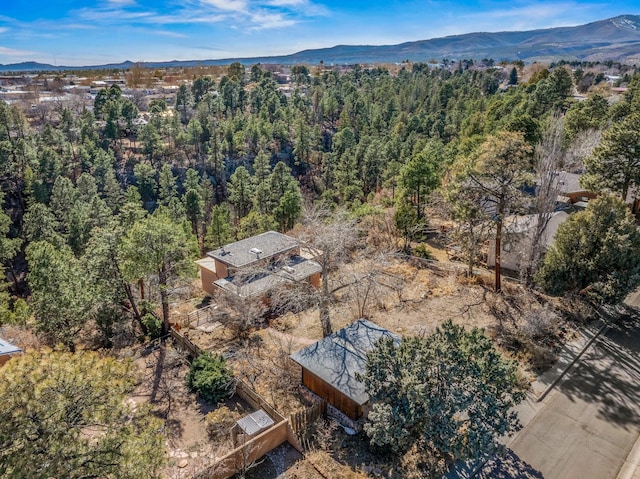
{"points": [[153, 325], [210, 377], [219, 422], [421, 251]]}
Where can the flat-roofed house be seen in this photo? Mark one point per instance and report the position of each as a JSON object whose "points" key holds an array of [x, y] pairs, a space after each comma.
{"points": [[330, 366], [252, 266]]}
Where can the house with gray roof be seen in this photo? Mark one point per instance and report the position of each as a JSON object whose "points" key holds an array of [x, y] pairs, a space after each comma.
{"points": [[252, 266], [518, 234], [7, 351], [331, 365]]}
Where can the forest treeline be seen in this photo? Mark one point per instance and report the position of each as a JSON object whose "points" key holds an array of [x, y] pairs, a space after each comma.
{"points": [[109, 211]]}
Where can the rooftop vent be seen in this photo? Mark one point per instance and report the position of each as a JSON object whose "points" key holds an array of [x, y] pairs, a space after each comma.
{"points": [[255, 250], [289, 269]]}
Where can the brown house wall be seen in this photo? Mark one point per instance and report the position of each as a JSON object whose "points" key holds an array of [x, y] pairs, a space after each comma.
{"points": [[208, 277], [576, 196], [5, 357], [221, 270], [331, 394]]}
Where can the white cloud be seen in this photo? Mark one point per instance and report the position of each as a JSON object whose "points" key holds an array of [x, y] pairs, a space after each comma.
{"points": [[528, 17], [167, 33], [228, 5], [186, 18], [264, 20], [12, 52], [287, 3]]}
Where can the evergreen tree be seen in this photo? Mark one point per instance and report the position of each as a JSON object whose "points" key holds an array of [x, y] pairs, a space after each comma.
{"points": [[450, 393], [241, 191], [156, 245], [596, 254], [66, 415], [615, 163]]}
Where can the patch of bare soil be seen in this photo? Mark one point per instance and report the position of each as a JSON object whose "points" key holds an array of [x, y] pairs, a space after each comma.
{"points": [[418, 302], [191, 446]]}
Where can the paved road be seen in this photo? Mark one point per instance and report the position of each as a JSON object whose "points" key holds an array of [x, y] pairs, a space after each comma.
{"points": [[588, 426]]}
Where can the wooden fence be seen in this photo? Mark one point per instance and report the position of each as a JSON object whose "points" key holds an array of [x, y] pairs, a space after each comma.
{"points": [[184, 343], [301, 420], [201, 315], [256, 401], [245, 456]]}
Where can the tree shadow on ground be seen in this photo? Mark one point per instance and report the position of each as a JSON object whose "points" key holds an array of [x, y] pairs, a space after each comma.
{"points": [[507, 466], [609, 372]]}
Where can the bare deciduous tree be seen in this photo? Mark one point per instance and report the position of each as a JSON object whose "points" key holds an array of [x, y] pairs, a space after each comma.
{"points": [[580, 148], [330, 240], [245, 313], [549, 160], [369, 283]]}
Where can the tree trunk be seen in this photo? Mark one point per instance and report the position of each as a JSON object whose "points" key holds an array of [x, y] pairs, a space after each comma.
{"points": [[164, 297], [472, 255], [325, 319], [498, 285], [141, 286], [14, 278], [129, 293], [134, 306]]}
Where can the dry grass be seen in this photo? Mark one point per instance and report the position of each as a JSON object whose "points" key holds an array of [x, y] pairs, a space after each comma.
{"points": [[328, 467]]}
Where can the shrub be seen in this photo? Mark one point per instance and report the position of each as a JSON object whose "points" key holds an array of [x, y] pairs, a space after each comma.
{"points": [[210, 377], [153, 325], [421, 251], [219, 422]]}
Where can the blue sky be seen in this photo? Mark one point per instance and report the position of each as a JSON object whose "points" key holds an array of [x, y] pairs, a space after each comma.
{"points": [[84, 32]]}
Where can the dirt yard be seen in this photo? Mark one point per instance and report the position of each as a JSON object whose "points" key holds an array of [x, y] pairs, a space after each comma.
{"points": [[409, 298], [191, 445]]}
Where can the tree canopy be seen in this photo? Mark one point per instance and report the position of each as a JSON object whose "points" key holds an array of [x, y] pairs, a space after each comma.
{"points": [[596, 253], [449, 393], [490, 182], [156, 245], [615, 163], [65, 415]]}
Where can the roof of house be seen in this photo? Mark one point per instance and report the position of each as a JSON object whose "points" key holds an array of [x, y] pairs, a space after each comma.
{"points": [[207, 263], [337, 358], [255, 422], [7, 348], [569, 183], [293, 268], [527, 223], [247, 251]]}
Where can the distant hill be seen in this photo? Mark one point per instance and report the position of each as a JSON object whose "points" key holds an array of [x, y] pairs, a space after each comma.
{"points": [[615, 39]]}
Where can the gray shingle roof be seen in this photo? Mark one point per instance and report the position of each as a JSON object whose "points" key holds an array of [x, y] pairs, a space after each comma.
{"points": [[7, 348], [294, 268], [337, 358], [247, 251]]}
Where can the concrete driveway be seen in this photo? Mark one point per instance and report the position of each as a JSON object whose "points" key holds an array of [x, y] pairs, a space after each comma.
{"points": [[588, 426]]}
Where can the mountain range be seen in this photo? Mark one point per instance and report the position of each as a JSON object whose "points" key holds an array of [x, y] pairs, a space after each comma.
{"points": [[616, 39]]}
